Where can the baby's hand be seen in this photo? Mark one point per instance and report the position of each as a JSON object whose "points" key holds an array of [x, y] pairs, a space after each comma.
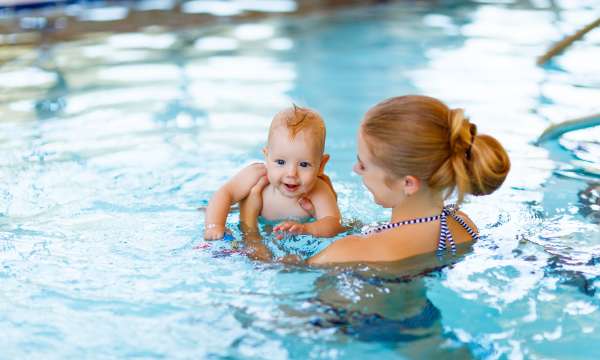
{"points": [[214, 232], [291, 227]]}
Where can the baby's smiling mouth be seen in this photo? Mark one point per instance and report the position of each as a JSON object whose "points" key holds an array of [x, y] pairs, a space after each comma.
{"points": [[291, 187]]}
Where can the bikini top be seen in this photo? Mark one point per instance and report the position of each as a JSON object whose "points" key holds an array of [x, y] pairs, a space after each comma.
{"points": [[445, 234]]}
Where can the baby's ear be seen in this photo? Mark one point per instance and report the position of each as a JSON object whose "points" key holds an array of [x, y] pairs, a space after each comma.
{"points": [[324, 160], [265, 152]]}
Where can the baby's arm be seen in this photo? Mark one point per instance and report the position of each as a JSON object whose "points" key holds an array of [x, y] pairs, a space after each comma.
{"points": [[234, 190], [327, 214]]}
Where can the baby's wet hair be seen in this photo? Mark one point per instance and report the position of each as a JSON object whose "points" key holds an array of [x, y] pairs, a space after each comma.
{"points": [[297, 119]]}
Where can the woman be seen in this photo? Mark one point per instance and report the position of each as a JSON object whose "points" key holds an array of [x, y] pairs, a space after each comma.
{"points": [[413, 153]]}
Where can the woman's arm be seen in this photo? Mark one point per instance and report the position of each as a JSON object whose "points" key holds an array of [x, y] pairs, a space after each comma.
{"points": [[233, 191], [250, 208], [345, 250]]}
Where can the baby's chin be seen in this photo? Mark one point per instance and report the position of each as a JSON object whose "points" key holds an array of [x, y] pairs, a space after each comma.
{"points": [[292, 194]]}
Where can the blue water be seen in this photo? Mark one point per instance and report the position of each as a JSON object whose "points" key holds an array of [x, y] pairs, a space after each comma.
{"points": [[111, 143]]}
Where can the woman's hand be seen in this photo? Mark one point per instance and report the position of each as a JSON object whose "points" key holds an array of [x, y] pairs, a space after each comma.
{"points": [[307, 205], [214, 232], [251, 206]]}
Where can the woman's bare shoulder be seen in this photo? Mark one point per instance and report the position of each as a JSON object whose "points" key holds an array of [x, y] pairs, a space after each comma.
{"points": [[391, 245], [379, 247], [467, 219]]}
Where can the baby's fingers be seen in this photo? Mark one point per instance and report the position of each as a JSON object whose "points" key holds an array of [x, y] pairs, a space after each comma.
{"points": [[296, 229], [283, 226]]}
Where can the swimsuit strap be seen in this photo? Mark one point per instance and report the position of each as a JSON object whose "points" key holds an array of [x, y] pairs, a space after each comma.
{"points": [[400, 223], [445, 234], [474, 235]]}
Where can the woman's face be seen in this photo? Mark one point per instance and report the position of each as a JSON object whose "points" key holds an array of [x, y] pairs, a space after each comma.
{"points": [[373, 176]]}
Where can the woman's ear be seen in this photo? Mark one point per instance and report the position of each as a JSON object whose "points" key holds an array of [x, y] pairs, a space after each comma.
{"points": [[324, 160], [412, 184]]}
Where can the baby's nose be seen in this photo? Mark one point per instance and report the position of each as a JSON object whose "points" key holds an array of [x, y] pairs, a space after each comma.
{"points": [[292, 170]]}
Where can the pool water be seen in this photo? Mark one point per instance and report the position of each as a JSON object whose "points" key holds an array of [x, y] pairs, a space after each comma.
{"points": [[112, 143]]}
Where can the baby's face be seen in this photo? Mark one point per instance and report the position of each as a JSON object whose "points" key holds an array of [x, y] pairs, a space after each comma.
{"points": [[292, 164]]}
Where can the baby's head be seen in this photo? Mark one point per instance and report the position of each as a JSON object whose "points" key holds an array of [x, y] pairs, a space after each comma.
{"points": [[294, 152]]}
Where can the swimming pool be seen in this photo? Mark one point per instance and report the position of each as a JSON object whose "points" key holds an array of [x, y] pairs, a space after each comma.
{"points": [[110, 142]]}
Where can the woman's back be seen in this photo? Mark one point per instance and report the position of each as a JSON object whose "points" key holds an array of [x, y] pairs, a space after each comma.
{"points": [[397, 243]]}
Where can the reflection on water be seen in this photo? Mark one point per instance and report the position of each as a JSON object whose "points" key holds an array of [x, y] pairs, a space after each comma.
{"points": [[110, 140]]}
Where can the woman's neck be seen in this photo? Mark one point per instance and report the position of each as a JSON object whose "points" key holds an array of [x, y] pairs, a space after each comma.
{"points": [[422, 204]]}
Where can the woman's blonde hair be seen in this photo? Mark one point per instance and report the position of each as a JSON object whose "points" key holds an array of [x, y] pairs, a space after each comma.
{"points": [[421, 136]]}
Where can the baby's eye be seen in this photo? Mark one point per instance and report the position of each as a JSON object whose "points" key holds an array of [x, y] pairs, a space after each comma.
{"points": [[304, 164], [280, 162]]}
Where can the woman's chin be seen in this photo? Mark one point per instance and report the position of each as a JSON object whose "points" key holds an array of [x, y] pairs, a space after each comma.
{"points": [[383, 203]]}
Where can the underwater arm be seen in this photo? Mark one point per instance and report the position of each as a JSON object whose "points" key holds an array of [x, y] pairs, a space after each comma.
{"points": [[230, 193], [250, 208]]}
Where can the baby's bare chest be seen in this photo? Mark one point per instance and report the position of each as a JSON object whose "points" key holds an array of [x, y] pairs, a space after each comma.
{"points": [[278, 207]]}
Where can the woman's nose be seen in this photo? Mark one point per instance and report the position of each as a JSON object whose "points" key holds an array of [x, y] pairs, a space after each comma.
{"points": [[355, 168]]}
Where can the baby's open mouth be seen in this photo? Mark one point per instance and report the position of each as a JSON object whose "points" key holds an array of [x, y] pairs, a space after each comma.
{"points": [[291, 187]]}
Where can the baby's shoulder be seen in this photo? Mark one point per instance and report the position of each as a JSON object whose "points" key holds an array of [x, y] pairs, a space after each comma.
{"points": [[251, 172], [246, 178], [322, 188], [255, 168]]}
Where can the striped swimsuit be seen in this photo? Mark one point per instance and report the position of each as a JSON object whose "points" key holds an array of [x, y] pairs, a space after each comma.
{"points": [[445, 235]]}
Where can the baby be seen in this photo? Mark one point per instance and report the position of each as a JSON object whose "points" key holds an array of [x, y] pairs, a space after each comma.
{"points": [[294, 164]]}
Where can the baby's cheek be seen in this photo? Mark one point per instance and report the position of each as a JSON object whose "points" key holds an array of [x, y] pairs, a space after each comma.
{"points": [[311, 181]]}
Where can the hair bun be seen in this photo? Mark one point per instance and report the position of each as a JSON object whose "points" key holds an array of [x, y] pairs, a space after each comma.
{"points": [[488, 166], [479, 162], [473, 132], [461, 134]]}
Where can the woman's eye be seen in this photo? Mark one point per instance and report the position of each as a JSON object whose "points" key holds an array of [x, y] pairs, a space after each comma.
{"points": [[304, 164], [280, 162]]}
